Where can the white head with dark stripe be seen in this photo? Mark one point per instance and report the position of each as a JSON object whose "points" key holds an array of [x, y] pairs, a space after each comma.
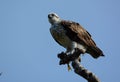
{"points": [[53, 18]]}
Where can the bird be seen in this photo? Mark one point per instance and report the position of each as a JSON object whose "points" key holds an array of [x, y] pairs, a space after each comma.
{"points": [[72, 35]]}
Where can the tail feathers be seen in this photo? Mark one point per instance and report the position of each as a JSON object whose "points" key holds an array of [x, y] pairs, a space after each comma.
{"points": [[95, 52]]}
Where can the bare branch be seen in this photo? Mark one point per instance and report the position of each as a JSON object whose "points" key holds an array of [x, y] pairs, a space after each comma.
{"points": [[78, 68]]}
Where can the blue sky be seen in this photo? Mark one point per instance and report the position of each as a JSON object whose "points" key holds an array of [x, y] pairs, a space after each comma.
{"points": [[28, 53]]}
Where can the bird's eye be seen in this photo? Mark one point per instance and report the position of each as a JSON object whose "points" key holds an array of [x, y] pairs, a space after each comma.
{"points": [[52, 14]]}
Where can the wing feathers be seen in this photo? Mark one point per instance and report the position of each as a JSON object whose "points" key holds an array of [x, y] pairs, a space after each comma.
{"points": [[77, 33], [95, 52]]}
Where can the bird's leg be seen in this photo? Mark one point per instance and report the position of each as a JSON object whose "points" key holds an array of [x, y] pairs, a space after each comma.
{"points": [[73, 54], [66, 58], [70, 55], [68, 66], [72, 49], [69, 52]]}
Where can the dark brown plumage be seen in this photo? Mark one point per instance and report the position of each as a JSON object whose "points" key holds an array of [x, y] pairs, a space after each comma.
{"points": [[78, 34]]}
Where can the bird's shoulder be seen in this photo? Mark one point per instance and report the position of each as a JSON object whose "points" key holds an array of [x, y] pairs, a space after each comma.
{"points": [[74, 27], [76, 32]]}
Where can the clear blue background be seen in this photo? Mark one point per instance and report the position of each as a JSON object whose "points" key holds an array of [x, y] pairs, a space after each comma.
{"points": [[28, 53]]}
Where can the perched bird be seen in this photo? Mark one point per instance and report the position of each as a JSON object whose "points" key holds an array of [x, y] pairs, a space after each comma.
{"points": [[72, 35]]}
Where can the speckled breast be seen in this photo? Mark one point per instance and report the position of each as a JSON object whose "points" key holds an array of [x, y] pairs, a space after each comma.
{"points": [[59, 35]]}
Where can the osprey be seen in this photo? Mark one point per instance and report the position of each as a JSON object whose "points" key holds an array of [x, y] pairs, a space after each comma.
{"points": [[72, 35]]}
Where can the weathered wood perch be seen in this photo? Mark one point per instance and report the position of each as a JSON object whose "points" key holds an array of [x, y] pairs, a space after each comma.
{"points": [[78, 68]]}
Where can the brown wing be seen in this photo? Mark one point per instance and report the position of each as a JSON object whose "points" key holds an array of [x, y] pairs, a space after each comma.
{"points": [[78, 34]]}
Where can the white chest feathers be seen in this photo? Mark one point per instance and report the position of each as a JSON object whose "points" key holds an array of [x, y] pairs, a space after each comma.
{"points": [[59, 35]]}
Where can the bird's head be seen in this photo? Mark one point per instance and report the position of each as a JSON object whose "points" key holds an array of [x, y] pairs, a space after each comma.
{"points": [[53, 18]]}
